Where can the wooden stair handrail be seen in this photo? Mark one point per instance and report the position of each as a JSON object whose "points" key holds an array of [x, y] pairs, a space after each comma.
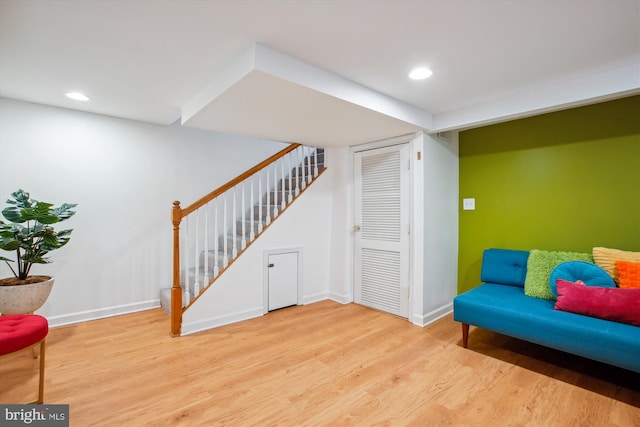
{"points": [[177, 214], [237, 180]]}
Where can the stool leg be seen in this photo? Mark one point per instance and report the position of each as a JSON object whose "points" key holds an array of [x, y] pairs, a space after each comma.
{"points": [[41, 377], [41, 383]]}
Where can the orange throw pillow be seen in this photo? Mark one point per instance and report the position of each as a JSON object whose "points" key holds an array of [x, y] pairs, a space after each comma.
{"points": [[628, 274], [606, 258]]}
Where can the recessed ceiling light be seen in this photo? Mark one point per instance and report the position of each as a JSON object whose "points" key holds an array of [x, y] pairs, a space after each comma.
{"points": [[420, 73], [78, 96]]}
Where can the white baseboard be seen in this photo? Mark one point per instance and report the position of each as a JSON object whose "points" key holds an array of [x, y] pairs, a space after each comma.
{"points": [[214, 322], [310, 299], [341, 298], [101, 313], [426, 319]]}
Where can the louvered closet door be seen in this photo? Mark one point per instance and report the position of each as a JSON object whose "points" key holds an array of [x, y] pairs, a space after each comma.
{"points": [[381, 187]]}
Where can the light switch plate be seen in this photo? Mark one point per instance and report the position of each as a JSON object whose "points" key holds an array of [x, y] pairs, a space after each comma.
{"points": [[469, 204]]}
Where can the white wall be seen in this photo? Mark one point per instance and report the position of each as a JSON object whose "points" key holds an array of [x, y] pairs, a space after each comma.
{"points": [[341, 261], [440, 268], [124, 175]]}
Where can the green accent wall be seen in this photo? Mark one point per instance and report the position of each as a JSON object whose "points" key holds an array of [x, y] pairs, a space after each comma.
{"points": [[568, 180]]}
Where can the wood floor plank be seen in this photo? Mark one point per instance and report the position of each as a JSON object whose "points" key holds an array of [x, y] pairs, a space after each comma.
{"points": [[323, 364]]}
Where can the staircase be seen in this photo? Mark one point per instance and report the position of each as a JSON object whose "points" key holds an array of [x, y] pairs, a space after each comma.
{"points": [[213, 232]]}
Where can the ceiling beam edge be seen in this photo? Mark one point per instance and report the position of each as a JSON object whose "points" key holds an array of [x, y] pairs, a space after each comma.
{"points": [[293, 70], [223, 81], [540, 100]]}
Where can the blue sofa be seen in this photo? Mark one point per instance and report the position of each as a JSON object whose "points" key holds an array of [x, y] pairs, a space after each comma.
{"points": [[500, 305]]}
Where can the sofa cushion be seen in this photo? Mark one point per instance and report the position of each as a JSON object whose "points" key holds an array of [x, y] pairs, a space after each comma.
{"points": [[504, 266], [607, 257], [629, 274], [539, 267], [588, 273], [619, 305]]}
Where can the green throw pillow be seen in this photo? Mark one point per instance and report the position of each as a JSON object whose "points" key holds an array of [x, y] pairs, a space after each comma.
{"points": [[539, 267]]}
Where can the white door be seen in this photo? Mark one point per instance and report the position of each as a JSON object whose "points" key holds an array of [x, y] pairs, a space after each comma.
{"points": [[283, 280], [381, 229]]}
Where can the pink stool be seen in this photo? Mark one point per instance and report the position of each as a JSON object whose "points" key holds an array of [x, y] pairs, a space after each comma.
{"points": [[23, 331]]}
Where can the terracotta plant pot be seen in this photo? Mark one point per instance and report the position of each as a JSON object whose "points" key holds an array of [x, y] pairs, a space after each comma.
{"points": [[20, 299]]}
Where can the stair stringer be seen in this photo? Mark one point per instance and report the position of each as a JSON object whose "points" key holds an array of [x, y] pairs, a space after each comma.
{"points": [[237, 294]]}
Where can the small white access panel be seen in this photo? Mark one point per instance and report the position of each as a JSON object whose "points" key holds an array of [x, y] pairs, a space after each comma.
{"points": [[282, 272]]}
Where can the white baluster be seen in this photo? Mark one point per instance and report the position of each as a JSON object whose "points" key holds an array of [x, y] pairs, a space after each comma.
{"points": [[290, 156], [315, 168], [196, 284], [268, 217], [310, 163], [187, 279], [283, 180], [275, 189], [259, 203], [225, 256], [216, 236], [244, 238], [234, 218], [252, 233], [205, 281], [298, 173], [307, 161], [304, 171]]}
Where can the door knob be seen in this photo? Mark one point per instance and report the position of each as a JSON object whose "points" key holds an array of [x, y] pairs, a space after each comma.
{"points": [[271, 265], [356, 228]]}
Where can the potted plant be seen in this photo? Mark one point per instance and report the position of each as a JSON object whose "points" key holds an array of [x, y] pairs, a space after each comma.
{"points": [[30, 235]]}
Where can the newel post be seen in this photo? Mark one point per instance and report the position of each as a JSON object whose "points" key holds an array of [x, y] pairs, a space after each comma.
{"points": [[176, 289]]}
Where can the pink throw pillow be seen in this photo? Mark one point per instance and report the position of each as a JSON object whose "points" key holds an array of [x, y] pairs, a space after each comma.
{"points": [[619, 305]]}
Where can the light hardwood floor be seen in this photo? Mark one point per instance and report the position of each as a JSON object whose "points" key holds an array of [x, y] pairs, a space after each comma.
{"points": [[323, 364]]}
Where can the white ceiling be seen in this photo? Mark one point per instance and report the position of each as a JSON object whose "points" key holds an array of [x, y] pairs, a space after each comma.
{"points": [[492, 60]]}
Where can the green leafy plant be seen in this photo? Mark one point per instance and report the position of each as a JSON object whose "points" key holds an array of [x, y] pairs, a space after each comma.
{"points": [[29, 233]]}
